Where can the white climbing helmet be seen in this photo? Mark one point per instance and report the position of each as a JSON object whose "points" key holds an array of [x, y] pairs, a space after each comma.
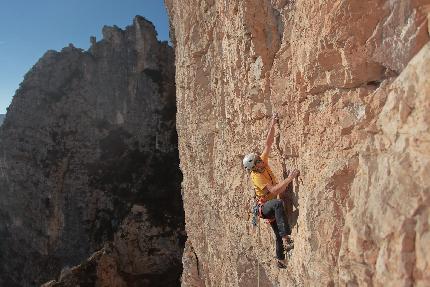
{"points": [[249, 161]]}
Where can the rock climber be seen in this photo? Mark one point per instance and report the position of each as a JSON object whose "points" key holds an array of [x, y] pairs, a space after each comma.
{"points": [[267, 189]]}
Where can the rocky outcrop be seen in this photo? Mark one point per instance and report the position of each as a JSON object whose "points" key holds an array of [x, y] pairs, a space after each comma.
{"points": [[140, 254], [1, 119], [90, 161], [350, 80]]}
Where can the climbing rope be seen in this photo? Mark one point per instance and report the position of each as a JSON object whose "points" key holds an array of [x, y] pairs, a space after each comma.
{"points": [[258, 261]]}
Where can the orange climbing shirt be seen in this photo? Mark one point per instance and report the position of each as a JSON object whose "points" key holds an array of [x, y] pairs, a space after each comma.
{"points": [[261, 180]]}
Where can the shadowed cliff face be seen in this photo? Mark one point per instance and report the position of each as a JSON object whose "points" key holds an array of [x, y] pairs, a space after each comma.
{"points": [[88, 156], [349, 80]]}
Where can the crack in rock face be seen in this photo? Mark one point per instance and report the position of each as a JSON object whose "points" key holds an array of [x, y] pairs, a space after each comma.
{"points": [[349, 80], [90, 166]]}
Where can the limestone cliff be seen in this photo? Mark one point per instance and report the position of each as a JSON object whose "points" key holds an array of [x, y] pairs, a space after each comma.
{"points": [[89, 161], [350, 80]]}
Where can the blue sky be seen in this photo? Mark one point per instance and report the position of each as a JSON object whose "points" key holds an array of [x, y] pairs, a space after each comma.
{"points": [[28, 28]]}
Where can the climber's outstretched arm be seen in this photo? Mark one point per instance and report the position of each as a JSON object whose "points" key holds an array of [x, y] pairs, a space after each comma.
{"points": [[280, 187], [270, 136]]}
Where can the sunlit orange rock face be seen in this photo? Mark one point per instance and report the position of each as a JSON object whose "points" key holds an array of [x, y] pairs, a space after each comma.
{"points": [[351, 83]]}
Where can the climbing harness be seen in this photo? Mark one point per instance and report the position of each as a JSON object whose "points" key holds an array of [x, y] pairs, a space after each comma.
{"points": [[258, 212]]}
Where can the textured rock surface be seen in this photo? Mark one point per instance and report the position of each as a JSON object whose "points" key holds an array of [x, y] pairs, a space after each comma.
{"points": [[353, 96], [1, 119], [88, 136], [133, 258]]}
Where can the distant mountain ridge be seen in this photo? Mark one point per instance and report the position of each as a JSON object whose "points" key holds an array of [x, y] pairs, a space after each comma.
{"points": [[76, 199]]}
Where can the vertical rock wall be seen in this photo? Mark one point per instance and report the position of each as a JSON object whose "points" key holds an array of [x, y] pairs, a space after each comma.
{"points": [[350, 80], [89, 155]]}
